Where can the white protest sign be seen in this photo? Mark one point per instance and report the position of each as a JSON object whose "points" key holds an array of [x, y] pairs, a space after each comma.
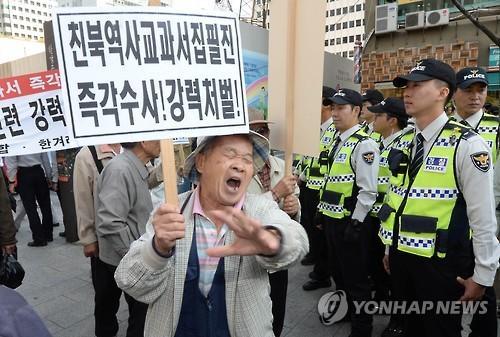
{"points": [[133, 74], [32, 119]]}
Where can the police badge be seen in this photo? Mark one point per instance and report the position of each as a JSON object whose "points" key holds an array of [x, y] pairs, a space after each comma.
{"points": [[481, 161], [368, 157]]}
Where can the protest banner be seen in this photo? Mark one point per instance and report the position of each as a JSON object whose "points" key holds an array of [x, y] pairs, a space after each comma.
{"points": [[32, 119], [135, 74], [149, 73]]}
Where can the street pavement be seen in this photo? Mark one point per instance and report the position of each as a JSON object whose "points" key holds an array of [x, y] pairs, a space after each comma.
{"points": [[59, 287]]}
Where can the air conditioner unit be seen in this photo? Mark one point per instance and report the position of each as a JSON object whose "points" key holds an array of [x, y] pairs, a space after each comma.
{"points": [[437, 18], [386, 18], [414, 20]]}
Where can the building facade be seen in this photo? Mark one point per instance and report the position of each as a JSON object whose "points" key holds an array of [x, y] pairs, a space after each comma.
{"points": [[24, 18], [345, 24], [423, 29]]}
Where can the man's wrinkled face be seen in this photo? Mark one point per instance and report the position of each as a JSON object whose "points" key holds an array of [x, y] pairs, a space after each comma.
{"points": [[226, 169], [471, 99]]}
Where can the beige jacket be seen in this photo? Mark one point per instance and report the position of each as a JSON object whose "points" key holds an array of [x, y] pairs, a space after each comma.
{"points": [[85, 187], [159, 281]]}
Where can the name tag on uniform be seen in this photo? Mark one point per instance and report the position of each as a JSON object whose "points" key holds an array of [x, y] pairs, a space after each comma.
{"points": [[436, 164], [341, 158]]}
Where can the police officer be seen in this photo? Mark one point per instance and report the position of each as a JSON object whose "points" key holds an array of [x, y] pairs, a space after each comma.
{"points": [[391, 122], [347, 195], [469, 99], [370, 98], [309, 197], [433, 204]]}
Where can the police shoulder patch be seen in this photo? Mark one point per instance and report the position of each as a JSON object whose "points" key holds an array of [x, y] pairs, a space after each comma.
{"points": [[368, 157], [481, 161]]}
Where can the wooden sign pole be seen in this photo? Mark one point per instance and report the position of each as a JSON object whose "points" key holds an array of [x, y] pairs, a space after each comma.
{"points": [[290, 74], [169, 173]]}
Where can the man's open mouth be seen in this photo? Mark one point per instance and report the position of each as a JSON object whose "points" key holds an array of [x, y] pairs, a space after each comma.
{"points": [[234, 183]]}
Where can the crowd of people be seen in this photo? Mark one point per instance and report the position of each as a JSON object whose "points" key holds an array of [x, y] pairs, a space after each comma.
{"points": [[398, 206]]}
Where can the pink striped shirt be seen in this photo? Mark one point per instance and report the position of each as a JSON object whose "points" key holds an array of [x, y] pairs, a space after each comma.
{"points": [[207, 237]]}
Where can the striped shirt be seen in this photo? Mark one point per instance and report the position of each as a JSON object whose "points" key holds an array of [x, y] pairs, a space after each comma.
{"points": [[207, 237]]}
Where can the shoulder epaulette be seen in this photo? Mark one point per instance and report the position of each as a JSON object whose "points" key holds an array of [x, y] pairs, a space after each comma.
{"points": [[491, 118]]}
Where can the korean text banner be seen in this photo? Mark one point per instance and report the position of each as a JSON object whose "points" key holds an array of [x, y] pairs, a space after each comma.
{"points": [[32, 118], [150, 73]]}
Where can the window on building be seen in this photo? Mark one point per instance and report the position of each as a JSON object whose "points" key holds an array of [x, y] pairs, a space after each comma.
{"points": [[363, 22], [14, 16], [14, 7], [39, 12], [258, 14], [23, 35], [16, 34], [40, 29], [44, 5], [344, 54], [344, 39], [351, 38], [351, 53], [332, 42], [339, 11], [344, 10], [358, 23], [28, 28], [358, 37], [344, 25], [326, 43], [351, 24], [326, 28], [332, 12], [339, 26], [16, 25], [22, 26], [351, 9], [358, 8], [339, 40], [332, 27]]}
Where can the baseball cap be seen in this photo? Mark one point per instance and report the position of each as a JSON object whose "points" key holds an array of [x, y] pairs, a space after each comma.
{"points": [[392, 106], [347, 96], [328, 92], [428, 69], [471, 75], [373, 96]]}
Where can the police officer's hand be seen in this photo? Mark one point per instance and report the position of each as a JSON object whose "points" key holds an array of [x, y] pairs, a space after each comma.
{"points": [[285, 186], [473, 291], [9, 249], [318, 220], [352, 231], [385, 261], [291, 205], [169, 226], [251, 237], [91, 250], [12, 187]]}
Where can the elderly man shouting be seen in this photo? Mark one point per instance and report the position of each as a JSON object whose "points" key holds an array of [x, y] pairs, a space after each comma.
{"points": [[203, 268]]}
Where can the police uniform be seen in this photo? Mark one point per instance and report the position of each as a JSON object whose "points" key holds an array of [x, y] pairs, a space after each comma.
{"points": [[320, 277], [487, 127], [348, 194], [393, 107], [431, 210]]}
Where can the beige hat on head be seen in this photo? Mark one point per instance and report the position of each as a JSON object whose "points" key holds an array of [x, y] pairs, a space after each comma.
{"points": [[256, 116]]}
